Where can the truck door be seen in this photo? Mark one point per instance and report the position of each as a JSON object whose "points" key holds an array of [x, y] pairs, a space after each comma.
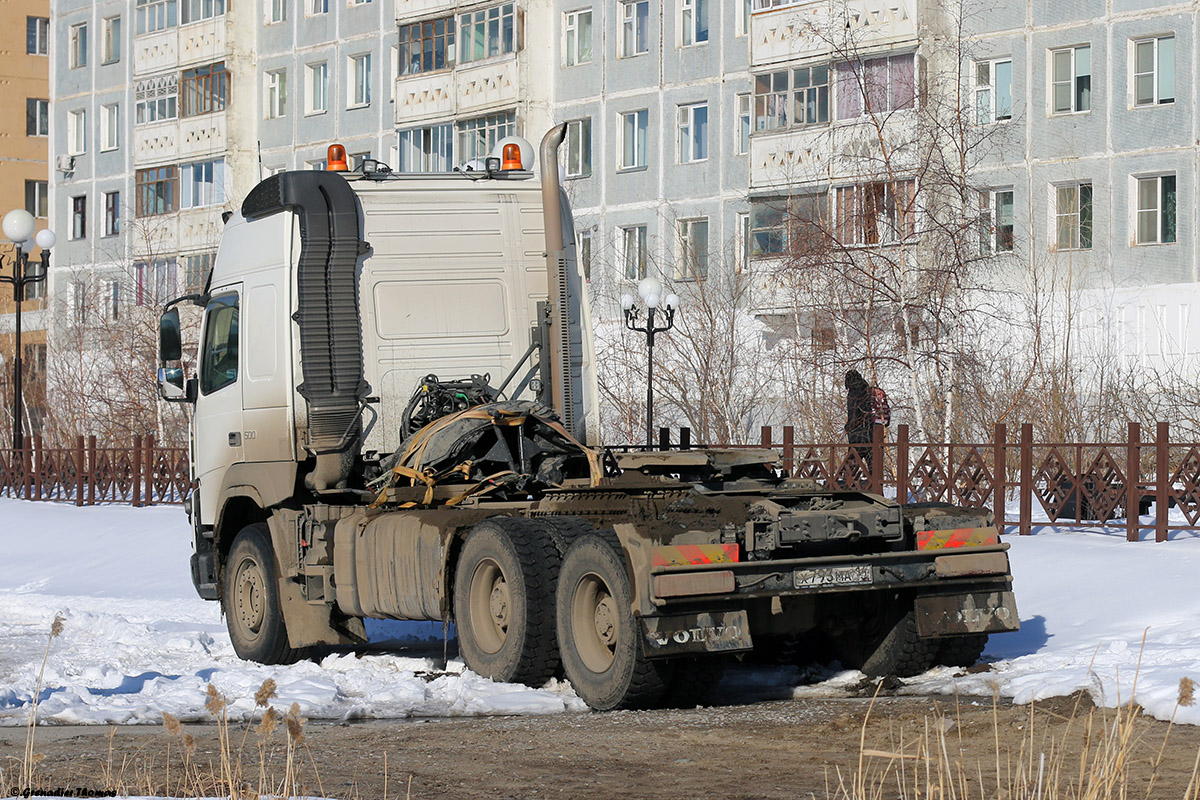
{"points": [[219, 402]]}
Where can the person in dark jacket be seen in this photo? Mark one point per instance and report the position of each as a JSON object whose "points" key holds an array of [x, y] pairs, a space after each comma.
{"points": [[860, 416]]}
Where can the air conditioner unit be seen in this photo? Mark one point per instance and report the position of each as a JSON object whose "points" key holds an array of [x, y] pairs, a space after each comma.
{"points": [[66, 163]]}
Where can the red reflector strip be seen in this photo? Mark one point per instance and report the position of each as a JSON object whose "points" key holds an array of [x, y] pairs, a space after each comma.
{"points": [[683, 555], [959, 537], [686, 584]]}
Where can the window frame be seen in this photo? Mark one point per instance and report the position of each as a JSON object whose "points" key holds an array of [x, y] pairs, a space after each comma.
{"points": [[692, 22], [37, 35], [275, 93], [1162, 224], [37, 198], [435, 146], [315, 8], [37, 111], [743, 122], [152, 16], [1073, 82], [78, 217], [313, 84], [573, 37], [861, 211], [990, 107], [583, 253], [579, 139], [77, 131], [202, 184], [853, 88], [110, 44], [639, 147], [209, 383], [1073, 223], [632, 31], [207, 9], [485, 130], [275, 11], [996, 238], [155, 183], [110, 127], [358, 75], [421, 44], [692, 261], [77, 54], [112, 213], [492, 34], [691, 134], [156, 99], [1155, 73], [778, 223], [636, 236], [203, 90]]}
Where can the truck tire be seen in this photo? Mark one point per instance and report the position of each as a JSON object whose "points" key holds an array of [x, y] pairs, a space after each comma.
{"points": [[250, 600], [601, 645], [888, 645], [563, 530], [503, 592], [961, 651]]}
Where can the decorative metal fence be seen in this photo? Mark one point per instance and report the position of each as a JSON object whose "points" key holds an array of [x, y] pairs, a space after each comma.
{"points": [[86, 474], [1074, 484]]}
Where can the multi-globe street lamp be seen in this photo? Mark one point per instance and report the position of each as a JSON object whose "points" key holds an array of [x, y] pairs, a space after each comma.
{"points": [[19, 226], [651, 291]]}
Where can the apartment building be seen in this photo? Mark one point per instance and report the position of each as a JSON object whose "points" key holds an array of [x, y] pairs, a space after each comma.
{"points": [[657, 96], [24, 84]]}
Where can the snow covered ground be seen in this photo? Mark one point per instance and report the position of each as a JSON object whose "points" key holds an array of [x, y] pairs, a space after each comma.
{"points": [[137, 641]]}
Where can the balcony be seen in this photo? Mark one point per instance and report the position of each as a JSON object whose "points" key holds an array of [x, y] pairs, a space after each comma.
{"points": [[463, 91], [811, 29], [847, 150], [187, 45]]}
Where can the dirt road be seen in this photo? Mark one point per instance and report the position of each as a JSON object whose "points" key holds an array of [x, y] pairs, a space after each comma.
{"points": [[769, 749]]}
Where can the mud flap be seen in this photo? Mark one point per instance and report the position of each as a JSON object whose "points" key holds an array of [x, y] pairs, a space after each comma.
{"points": [[692, 634], [971, 612]]}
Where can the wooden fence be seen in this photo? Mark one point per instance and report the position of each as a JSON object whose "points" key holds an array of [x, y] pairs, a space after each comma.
{"points": [[1074, 484], [86, 474]]}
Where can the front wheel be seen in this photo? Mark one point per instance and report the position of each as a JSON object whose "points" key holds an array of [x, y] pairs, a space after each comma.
{"points": [[250, 600], [602, 652]]}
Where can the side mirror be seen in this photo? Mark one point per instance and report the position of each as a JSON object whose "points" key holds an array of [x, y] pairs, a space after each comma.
{"points": [[170, 343], [171, 383]]}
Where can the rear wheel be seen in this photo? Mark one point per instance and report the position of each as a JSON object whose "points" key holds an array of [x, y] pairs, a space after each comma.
{"points": [[602, 651], [250, 600], [503, 591], [961, 651], [887, 643]]}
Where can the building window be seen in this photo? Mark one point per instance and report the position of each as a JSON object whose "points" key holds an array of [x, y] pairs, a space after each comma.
{"points": [[1156, 209], [276, 11], [477, 137], [110, 45], [196, 269], [275, 84], [693, 250], [77, 131], [37, 117], [742, 119], [635, 17], [156, 15], [1154, 71], [875, 213], [316, 77], [155, 282], [583, 251], [743, 20], [426, 149], [633, 252], [577, 37], [995, 221], [357, 160], [632, 133], [202, 184], [692, 123], [77, 301], [110, 126], [1073, 216], [37, 35], [875, 86], [112, 213], [486, 33], [783, 225], [427, 46], [204, 89], [156, 191], [810, 93], [156, 99], [579, 148], [197, 10], [316, 166], [693, 22], [741, 227], [77, 37], [318, 7], [79, 217], [993, 90], [360, 80], [1071, 79], [112, 300], [36, 197], [809, 88]]}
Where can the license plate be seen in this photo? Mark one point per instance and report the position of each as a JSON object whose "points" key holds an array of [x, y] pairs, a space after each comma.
{"points": [[831, 576]]}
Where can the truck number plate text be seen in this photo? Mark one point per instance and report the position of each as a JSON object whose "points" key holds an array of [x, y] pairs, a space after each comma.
{"points": [[831, 576]]}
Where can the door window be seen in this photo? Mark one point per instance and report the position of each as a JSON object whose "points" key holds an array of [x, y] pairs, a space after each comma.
{"points": [[219, 358]]}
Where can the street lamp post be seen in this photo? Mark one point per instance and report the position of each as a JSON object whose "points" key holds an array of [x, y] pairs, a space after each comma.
{"points": [[19, 226], [651, 290]]}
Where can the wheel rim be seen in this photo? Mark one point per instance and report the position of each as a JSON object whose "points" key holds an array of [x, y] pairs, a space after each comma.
{"points": [[491, 606], [595, 623], [250, 596]]}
